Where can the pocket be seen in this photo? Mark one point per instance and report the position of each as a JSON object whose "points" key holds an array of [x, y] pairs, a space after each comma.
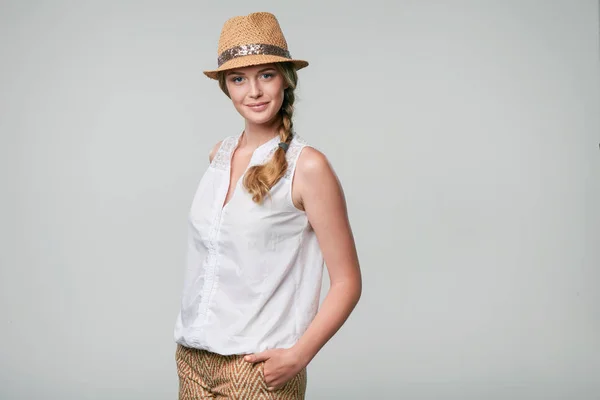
{"points": [[261, 371]]}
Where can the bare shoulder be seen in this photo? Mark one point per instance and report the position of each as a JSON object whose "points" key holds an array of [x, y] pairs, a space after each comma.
{"points": [[317, 185], [213, 151], [312, 162]]}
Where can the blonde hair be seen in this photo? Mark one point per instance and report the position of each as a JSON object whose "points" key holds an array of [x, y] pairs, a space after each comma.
{"points": [[259, 179]]}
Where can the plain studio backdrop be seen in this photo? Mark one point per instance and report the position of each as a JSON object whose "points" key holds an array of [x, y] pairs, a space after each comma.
{"points": [[465, 134]]}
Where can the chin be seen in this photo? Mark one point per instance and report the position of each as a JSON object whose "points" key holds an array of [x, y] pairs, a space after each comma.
{"points": [[260, 119]]}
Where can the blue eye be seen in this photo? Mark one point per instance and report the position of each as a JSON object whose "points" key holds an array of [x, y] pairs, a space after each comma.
{"points": [[235, 79], [268, 74]]}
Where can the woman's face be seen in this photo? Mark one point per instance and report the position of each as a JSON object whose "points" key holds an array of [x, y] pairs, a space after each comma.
{"points": [[256, 92]]}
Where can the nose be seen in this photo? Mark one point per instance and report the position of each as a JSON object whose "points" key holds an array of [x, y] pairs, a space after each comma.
{"points": [[255, 89]]}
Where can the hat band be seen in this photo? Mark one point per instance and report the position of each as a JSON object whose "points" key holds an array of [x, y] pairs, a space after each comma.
{"points": [[252, 49]]}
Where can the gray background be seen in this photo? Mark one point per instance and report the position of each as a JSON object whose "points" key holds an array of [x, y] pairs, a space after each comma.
{"points": [[465, 134]]}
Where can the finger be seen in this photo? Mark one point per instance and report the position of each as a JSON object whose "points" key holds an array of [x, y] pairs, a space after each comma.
{"points": [[275, 387], [257, 357]]}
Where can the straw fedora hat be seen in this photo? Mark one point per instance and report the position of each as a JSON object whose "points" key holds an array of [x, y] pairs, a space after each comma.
{"points": [[252, 40]]}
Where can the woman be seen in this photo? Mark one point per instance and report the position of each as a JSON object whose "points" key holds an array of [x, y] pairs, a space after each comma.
{"points": [[266, 216]]}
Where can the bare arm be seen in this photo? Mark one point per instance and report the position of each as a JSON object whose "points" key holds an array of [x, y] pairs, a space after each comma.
{"points": [[322, 198]]}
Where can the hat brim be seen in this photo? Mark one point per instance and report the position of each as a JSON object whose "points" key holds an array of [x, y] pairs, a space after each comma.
{"points": [[255, 59]]}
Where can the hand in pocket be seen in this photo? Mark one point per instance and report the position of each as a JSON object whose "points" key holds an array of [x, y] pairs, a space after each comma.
{"points": [[278, 366]]}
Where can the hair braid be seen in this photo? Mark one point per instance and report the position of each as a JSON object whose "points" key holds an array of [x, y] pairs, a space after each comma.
{"points": [[259, 179]]}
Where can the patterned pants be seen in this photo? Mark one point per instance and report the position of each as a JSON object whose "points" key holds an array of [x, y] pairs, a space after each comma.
{"points": [[206, 375]]}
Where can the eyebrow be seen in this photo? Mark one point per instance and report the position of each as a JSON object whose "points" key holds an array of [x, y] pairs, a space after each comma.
{"points": [[241, 73]]}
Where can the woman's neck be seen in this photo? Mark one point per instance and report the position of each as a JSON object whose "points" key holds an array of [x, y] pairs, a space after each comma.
{"points": [[258, 134]]}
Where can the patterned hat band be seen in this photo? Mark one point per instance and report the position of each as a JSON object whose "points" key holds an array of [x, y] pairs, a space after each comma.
{"points": [[252, 49]]}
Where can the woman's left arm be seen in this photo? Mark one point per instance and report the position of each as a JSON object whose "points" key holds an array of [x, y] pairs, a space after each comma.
{"points": [[322, 198], [318, 191]]}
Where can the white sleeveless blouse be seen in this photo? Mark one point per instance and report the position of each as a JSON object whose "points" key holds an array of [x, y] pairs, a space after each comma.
{"points": [[254, 271]]}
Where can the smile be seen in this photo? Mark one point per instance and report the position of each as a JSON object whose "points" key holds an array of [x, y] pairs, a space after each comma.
{"points": [[258, 106]]}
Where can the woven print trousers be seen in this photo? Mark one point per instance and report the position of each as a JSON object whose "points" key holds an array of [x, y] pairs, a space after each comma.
{"points": [[206, 375]]}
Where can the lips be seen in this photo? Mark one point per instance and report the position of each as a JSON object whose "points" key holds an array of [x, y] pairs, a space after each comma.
{"points": [[258, 106]]}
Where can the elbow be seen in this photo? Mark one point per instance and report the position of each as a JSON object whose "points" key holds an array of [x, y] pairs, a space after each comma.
{"points": [[353, 289], [358, 291], [348, 287]]}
